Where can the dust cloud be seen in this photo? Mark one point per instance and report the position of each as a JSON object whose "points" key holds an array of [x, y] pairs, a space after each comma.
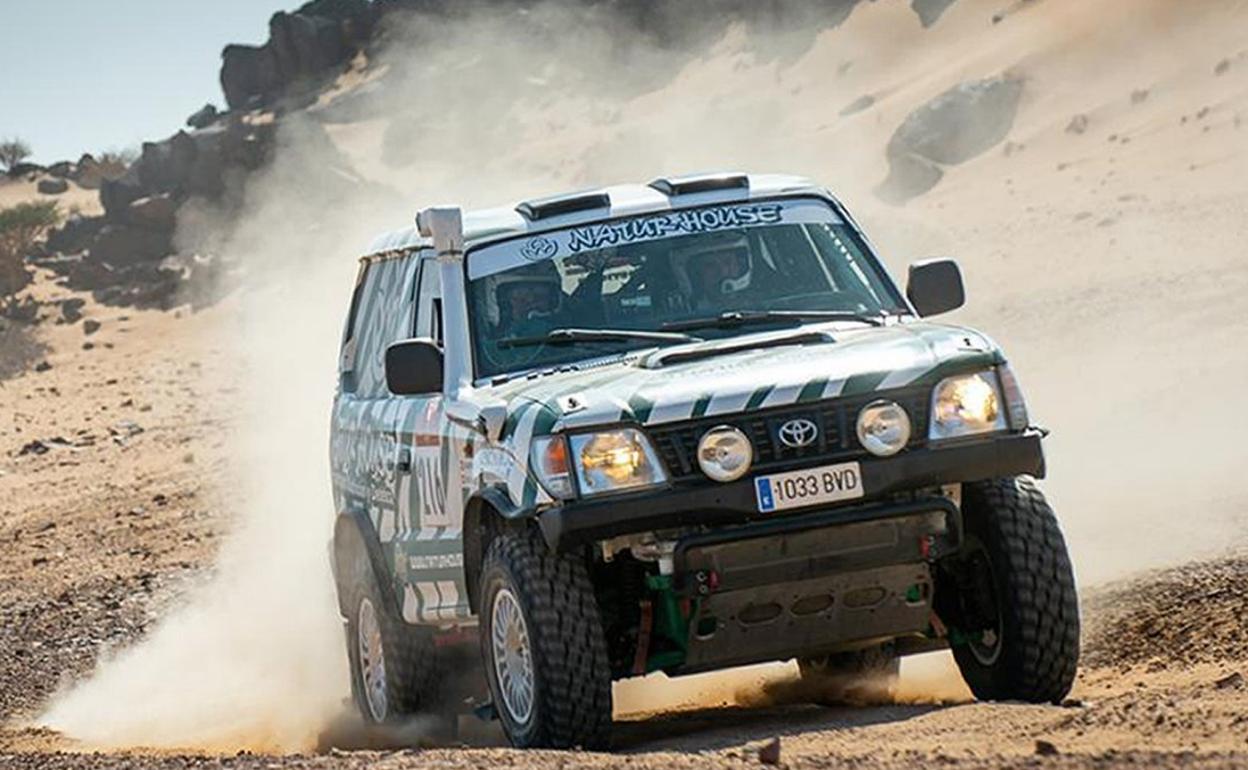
{"points": [[490, 108]]}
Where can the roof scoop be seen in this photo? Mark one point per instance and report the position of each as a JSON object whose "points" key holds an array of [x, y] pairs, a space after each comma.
{"points": [[569, 203], [700, 183]]}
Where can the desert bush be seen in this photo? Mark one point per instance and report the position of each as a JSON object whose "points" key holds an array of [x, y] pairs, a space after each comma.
{"points": [[20, 227], [123, 157], [12, 152]]}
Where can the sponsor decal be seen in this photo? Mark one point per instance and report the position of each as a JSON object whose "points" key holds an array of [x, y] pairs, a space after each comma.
{"points": [[675, 223], [436, 561], [539, 248]]}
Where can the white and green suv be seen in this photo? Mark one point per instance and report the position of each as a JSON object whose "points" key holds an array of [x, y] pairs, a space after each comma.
{"points": [[678, 427]]}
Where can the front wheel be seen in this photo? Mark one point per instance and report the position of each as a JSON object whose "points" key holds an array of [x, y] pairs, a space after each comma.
{"points": [[543, 646], [1009, 596]]}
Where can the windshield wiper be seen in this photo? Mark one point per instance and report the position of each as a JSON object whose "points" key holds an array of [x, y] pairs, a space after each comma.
{"points": [[573, 336], [734, 318]]}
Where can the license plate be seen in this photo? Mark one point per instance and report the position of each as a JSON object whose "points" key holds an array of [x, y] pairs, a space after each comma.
{"points": [[813, 486]]}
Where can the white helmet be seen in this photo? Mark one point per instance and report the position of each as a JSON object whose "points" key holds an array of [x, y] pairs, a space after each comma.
{"points": [[687, 264], [501, 285]]}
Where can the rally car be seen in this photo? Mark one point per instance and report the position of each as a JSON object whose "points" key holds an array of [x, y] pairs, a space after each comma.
{"points": [[678, 426]]}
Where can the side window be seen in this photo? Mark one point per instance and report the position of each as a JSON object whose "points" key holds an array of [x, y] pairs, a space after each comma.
{"points": [[346, 359], [429, 305], [384, 316]]}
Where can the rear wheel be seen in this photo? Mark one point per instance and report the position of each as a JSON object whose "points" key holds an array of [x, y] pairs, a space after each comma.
{"points": [[543, 646], [1009, 596], [858, 675], [394, 672]]}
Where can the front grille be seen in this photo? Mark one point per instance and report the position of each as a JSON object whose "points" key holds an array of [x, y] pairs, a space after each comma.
{"points": [[677, 443]]}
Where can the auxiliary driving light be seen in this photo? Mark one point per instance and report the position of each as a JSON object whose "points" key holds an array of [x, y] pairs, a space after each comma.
{"points": [[883, 428], [724, 453]]}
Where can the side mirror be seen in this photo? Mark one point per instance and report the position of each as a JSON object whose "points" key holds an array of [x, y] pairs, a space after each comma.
{"points": [[935, 286], [414, 367]]}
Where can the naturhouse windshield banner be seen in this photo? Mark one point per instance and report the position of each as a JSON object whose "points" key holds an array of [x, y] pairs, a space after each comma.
{"points": [[623, 232]]}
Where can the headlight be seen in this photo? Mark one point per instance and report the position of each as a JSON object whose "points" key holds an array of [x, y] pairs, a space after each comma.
{"points": [[615, 460], [966, 405], [724, 453], [883, 428]]}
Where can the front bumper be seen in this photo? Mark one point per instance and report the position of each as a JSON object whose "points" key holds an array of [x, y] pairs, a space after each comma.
{"points": [[582, 521]]}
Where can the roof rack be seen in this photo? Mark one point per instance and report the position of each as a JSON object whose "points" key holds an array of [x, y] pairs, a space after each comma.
{"points": [[569, 203], [699, 183]]}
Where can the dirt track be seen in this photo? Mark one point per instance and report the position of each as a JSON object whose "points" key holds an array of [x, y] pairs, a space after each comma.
{"points": [[109, 530]]}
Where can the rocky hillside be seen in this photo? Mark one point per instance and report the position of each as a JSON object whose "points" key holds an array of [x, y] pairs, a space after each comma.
{"points": [[134, 252]]}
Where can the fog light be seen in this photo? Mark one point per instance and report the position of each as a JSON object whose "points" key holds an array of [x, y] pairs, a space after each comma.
{"points": [[883, 428], [724, 453]]}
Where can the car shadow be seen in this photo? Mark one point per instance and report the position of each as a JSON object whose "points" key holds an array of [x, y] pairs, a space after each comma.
{"points": [[726, 726]]}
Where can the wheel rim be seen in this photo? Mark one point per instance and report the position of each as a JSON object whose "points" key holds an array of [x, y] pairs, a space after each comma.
{"points": [[372, 661], [986, 647], [513, 656]]}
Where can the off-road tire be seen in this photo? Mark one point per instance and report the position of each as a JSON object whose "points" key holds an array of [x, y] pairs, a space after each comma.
{"points": [[1036, 601], [572, 673], [413, 677], [866, 674]]}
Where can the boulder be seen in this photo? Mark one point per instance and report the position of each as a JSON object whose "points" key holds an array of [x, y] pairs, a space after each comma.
{"points": [[203, 117], [929, 11], [52, 186], [116, 195], [24, 168], [165, 166], [121, 246], [961, 123], [157, 212], [62, 170], [75, 235], [249, 75]]}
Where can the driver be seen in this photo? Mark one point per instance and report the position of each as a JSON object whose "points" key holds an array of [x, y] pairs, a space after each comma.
{"points": [[523, 301], [716, 271]]}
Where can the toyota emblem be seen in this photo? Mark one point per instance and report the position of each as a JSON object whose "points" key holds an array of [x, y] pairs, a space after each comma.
{"points": [[798, 433]]}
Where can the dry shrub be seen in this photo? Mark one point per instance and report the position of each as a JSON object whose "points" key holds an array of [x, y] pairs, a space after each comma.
{"points": [[20, 227]]}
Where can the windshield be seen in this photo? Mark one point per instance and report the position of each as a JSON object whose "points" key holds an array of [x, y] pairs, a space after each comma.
{"points": [[653, 272]]}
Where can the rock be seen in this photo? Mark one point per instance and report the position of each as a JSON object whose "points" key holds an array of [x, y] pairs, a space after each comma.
{"points": [[203, 117], [1232, 680], [909, 176], [42, 366], [25, 310], [165, 166], [158, 212], [75, 235], [769, 754], [929, 11], [1046, 749], [1222, 67], [858, 105], [124, 245], [959, 124], [52, 186], [25, 169], [35, 447], [71, 309], [1077, 125], [1139, 95], [62, 170], [90, 326], [116, 195], [249, 75]]}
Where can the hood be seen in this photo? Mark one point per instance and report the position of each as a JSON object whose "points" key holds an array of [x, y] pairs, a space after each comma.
{"points": [[845, 362]]}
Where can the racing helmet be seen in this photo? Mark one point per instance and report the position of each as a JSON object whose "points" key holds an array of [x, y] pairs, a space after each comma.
{"points": [[714, 265], [504, 292]]}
